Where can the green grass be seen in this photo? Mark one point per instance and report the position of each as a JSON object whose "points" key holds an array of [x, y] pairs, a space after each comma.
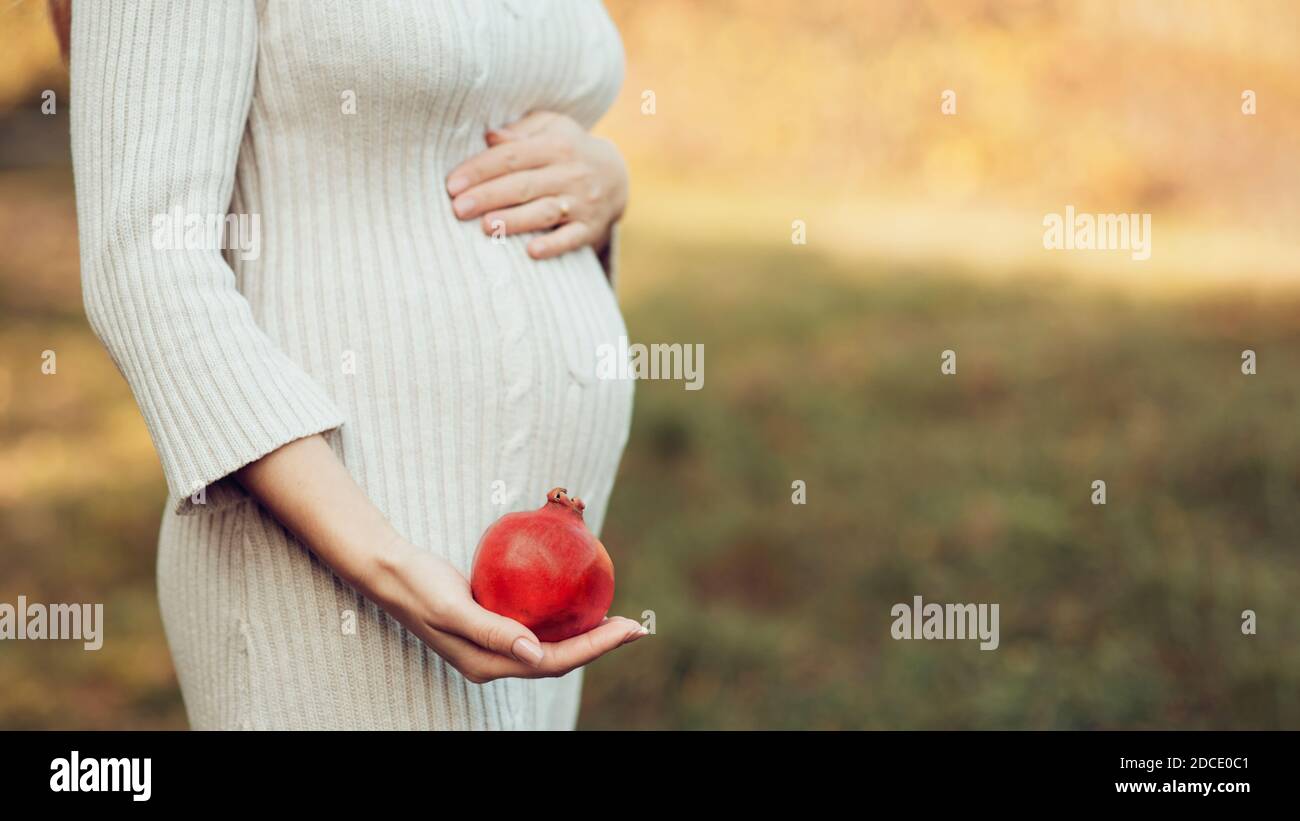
{"points": [[965, 488]]}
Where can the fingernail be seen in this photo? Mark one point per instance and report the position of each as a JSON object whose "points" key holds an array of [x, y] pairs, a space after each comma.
{"points": [[457, 184], [636, 634], [463, 205], [527, 651]]}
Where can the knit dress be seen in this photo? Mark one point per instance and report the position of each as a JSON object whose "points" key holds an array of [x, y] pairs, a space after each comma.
{"points": [[454, 376]]}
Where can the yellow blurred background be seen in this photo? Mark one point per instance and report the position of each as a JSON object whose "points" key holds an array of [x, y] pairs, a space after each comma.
{"points": [[924, 233], [830, 112]]}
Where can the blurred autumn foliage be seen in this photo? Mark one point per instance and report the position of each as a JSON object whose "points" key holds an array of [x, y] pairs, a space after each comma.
{"points": [[829, 111], [924, 234]]}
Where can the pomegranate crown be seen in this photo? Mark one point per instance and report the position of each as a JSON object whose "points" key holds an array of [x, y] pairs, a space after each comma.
{"points": [[560, 496]]}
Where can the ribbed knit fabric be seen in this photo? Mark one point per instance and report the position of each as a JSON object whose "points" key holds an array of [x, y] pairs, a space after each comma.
{"points": [[456, 377]]}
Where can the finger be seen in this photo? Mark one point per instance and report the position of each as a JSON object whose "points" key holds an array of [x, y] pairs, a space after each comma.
{"points": [[563, 656], [490, 631], [560, 657], [497, 161], [529, 125], [568, 237], [538, 215], [513, 189], [476, 664]]}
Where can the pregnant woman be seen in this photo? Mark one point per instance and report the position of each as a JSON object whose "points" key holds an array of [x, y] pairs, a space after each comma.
{"points": [[400, 349]]}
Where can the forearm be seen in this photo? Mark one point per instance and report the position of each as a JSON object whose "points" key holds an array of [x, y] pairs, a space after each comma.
{"points": [[305, 486]]}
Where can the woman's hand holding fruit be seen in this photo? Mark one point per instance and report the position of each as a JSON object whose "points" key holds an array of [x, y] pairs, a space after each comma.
{"points": [[309, 491], [432, 599]]}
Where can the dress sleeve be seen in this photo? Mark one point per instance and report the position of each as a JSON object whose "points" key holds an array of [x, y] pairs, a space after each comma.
{"points": [[160, 97]]}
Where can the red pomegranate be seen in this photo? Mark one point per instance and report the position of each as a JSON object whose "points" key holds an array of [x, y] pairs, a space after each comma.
{"points": [[545, 570]]}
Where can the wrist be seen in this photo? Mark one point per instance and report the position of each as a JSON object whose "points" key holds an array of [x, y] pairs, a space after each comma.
{"points": [[385, 569]]}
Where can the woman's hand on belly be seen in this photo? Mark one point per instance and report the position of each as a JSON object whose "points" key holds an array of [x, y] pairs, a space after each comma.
{"points": [[433, 600], [543, 173]]}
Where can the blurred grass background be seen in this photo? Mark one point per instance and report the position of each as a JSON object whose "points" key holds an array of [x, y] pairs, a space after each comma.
{"points": [[924, 234]]}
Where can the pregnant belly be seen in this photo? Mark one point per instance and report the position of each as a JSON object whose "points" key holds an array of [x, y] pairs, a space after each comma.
{"points": [[428, 327], [475, 378], [528, 332], [558, 312]]}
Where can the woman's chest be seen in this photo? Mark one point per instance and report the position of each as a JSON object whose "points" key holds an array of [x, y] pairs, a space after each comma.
{"points": [[444, 64]]}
